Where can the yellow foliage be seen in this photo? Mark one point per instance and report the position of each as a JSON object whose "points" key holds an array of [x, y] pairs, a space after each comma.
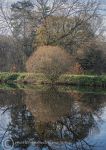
{"points": [[50, 60]]}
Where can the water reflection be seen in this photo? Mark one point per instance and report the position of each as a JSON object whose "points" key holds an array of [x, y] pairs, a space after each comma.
{"points": [[50, 119]]}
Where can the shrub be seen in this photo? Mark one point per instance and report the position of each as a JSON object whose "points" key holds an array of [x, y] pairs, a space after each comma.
{"points": [[92, 59], [50, 60]]}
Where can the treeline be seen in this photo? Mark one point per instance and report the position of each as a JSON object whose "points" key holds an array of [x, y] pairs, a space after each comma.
{"points": [[73, 25]]}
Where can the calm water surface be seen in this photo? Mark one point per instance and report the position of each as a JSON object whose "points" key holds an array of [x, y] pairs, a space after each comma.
{"points": [[52, 119]]}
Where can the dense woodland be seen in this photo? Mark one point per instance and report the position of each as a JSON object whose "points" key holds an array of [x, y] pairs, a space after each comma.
{"points": [[74, 26]]}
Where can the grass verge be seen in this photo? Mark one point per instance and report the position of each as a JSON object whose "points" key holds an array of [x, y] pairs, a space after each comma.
{"points": [[83, 80], [67, 79]]}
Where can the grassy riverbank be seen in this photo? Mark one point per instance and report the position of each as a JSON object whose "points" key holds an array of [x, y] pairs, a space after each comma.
{"points": [[84, 80], [67, 79]]}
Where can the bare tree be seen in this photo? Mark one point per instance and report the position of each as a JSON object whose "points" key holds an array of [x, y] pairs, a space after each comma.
{"points": [[68, 23], [73, 20]]}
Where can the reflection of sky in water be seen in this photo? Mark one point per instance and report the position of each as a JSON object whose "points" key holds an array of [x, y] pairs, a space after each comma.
{"points": [[4, 120], [99, 138]]}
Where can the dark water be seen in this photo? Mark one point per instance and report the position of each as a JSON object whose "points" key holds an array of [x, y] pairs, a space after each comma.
{"points": [[52, 119]]}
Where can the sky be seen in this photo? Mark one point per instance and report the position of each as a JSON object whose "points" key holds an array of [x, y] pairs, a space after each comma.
{"points": [[103, 11]]}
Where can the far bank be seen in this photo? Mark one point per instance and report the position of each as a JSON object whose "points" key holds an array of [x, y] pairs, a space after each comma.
{"points": [[66, 79]]}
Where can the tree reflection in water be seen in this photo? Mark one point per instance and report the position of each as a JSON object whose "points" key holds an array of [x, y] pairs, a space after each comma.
{"points": [[51, 119]]}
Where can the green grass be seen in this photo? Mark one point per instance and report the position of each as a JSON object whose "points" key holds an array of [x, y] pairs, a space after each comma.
{"points": [[84, 80], [7, 77], [67, 79]]}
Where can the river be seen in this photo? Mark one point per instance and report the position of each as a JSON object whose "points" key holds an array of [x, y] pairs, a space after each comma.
{"points": [[52, 118]]}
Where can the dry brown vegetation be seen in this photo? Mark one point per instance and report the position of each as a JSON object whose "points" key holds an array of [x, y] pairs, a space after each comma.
{"points": [[50, 60], [71, 24]]}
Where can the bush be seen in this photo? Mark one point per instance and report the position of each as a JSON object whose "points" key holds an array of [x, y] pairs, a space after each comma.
{"points": [[50, 60], [92, 59]]}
